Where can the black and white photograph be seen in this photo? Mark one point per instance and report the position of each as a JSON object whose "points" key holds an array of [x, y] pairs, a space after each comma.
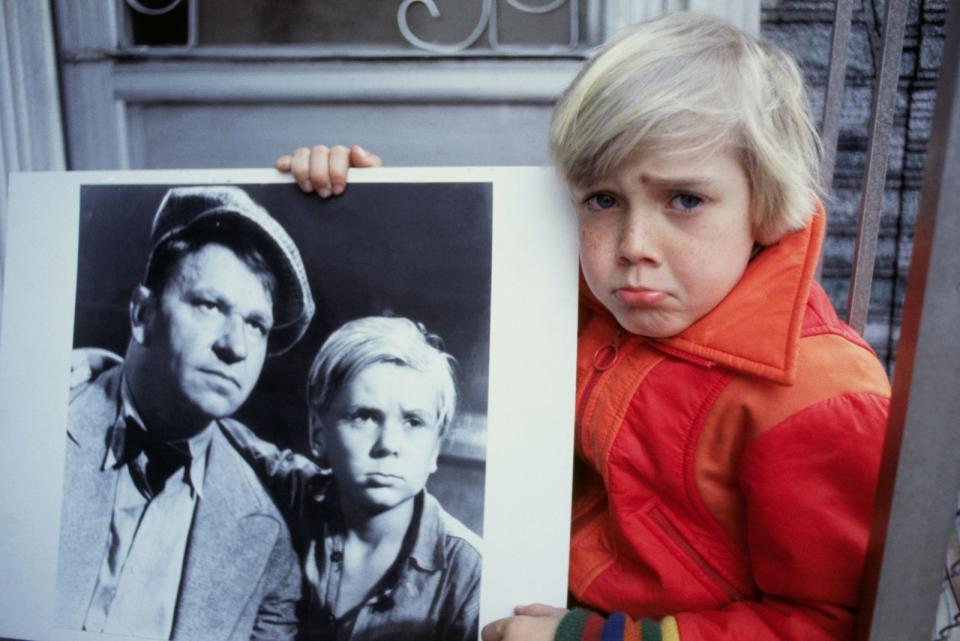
{"points": [[213, 368], [277, 411]]}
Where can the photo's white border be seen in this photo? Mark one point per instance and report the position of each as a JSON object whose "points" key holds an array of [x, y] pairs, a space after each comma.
{"points": [[531, 389]]}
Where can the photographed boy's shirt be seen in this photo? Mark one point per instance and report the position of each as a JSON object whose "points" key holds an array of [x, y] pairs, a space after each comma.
{"points": [[431, 592]]}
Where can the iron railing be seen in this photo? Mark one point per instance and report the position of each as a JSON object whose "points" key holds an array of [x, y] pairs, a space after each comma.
{"points": [[917, 496]]}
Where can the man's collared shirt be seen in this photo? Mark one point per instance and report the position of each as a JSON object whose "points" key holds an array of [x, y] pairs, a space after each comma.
{"points": [[139, 579], [431, 592]]}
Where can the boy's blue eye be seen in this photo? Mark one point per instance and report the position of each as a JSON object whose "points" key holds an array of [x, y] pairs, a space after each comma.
{"points": [[686, 201], [601, 201]]}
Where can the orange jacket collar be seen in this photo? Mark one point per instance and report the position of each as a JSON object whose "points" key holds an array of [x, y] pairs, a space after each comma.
{"points": [[756, 328]]}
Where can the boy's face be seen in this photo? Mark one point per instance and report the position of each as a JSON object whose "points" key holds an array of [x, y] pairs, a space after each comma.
{"points": [[380, 436], [663, 241]]}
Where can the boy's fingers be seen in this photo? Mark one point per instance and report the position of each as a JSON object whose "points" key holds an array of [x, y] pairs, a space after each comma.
{"points": [[360, 157], [539, 610], [338, 164], [320, 170], [300, 168], [325, 169], [493, 631]]}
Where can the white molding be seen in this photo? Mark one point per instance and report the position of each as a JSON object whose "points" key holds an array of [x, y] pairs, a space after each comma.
{"points": [[619, 14], [313, 53], [94, 117], [31, 133], [744, 14], [87, 24], [486, 81], [136, 143], [109, 104]]}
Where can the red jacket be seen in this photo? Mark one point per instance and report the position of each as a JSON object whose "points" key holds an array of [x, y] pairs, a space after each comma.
{"points": [[727, 474]]}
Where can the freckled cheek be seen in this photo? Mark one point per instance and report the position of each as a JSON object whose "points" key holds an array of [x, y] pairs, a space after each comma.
{"points": [[595, 235], [593, 274], [693, 268], [713, 274], [596, 250]]}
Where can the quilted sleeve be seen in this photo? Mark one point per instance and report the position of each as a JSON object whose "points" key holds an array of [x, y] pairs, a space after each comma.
{"points": [[809, 486]]}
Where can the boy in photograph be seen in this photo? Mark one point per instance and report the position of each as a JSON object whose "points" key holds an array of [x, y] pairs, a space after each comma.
{"points": [[381, 558]]}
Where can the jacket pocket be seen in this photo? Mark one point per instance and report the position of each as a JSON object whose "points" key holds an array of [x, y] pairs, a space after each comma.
{"points": [[674, 539]]}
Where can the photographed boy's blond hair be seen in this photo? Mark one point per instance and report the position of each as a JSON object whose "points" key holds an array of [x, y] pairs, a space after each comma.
{"points": [[692, 84], [363, 342]]}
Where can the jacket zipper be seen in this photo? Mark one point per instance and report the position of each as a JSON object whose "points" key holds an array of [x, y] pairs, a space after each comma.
{"points": [[603, 359], [671, 531]]}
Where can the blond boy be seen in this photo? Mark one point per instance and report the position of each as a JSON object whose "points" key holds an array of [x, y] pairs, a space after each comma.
{"points": [[729, 425]]}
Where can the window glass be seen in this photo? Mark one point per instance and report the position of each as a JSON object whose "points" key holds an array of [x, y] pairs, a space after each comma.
{"points": [[444, 26]]}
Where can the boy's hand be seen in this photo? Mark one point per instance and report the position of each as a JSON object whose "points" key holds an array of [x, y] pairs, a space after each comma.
{"points": [[324, 169], [535, 622]]}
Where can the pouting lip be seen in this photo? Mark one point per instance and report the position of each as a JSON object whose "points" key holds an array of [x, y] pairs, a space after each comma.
{"points": [[640, 296], [223, 375], [384, 475], [635, 288], [380, 480]]}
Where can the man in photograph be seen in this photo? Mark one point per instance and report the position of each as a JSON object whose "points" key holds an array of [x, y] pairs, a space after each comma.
{"points": [[166, 533]]}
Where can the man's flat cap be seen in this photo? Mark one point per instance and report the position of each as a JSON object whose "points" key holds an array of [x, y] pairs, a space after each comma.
{"points": [[184, 207]]}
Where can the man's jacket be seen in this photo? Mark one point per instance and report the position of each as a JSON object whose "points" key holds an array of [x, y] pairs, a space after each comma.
{"points": [[240, 579]]}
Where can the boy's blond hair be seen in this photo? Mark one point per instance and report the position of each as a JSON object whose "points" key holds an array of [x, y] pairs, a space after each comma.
{"points": [[686, 84], [366, 341]]}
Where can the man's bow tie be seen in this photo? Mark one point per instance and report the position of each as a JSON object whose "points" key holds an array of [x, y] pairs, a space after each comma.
{"points": [[162, 460]]}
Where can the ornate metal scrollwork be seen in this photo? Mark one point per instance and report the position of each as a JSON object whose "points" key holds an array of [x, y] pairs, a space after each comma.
{"points": [[416, 41], [547, 8], [487, 23], [139, 7]]}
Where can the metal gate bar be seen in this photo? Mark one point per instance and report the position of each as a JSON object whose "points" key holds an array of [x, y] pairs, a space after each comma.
{"points": [[881, 125], [833, 99], [920, 471]]}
